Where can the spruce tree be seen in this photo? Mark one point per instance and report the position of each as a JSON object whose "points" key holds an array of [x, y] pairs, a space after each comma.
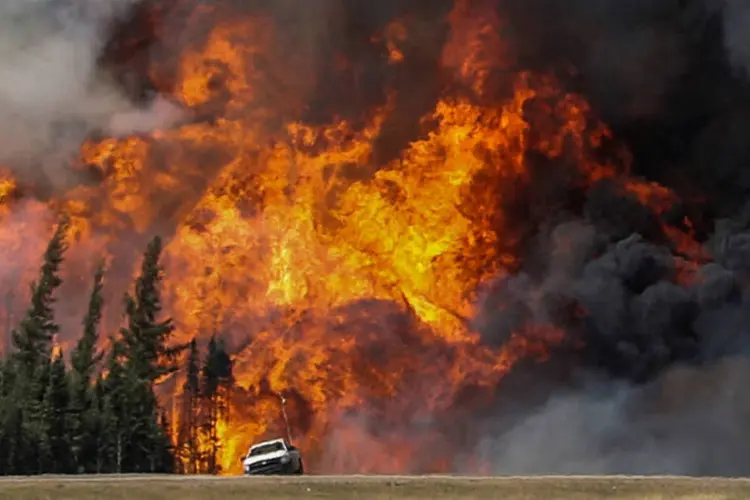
{"points": [[30, 358], [4, 443], [5, 408], [166, 462], [217, 381], [114, 442], [55, 447], [146, 336], [109, 444], [12, 444], [160, 453], [84, 360], [148, 357], [32, 340], [188, 434], [16, 447], [96, 428]]}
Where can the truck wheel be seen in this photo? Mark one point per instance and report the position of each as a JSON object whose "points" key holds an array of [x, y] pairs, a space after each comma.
{"points": [[301, 468]]}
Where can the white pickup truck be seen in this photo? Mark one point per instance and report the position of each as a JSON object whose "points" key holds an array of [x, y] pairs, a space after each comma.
{"points": [[273, 457]]}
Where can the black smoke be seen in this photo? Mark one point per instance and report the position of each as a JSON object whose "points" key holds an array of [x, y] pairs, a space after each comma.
{"points": [[655, 382], [670, 77]]}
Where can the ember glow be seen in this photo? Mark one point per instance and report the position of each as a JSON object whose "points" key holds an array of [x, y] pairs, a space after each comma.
{"points": [[345, 281]]}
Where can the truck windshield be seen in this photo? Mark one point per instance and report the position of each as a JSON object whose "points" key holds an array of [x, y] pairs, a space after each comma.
{"points": [[266, 448]]}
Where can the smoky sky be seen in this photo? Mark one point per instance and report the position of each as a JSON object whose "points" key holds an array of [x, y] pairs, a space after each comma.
{"points": [[53, 94], [669, 76]]}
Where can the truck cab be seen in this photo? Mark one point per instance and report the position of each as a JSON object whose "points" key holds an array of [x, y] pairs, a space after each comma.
{"points": [[275, 456]]}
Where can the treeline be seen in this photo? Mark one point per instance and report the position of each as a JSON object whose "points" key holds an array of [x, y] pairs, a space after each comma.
{"points": [[99, 412]]}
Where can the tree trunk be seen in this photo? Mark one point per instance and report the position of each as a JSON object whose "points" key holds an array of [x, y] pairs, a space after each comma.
{"points": [[119, 454]]}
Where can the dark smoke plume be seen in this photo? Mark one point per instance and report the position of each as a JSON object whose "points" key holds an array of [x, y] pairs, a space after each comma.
{"points": [[658, 385], [669, 76]]}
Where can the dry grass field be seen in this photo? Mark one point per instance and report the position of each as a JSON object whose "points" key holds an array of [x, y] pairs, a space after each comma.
{"points": [[371, 487]]}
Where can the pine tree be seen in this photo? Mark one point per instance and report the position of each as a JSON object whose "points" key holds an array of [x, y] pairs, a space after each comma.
{"points": [[12, 445], [188, 435], [52, 420], [16, 449], [5, 408], [217, 381], [4, 443], [31, 359], [33, 339], [146, 337], [115, 415], [109, 445], [148, 357], [84, 359], [96, 426], [160, 452], [167, 461], [55, 447]]}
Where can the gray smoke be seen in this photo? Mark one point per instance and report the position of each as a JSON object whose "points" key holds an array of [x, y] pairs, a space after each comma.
{"points": [[52, 95], [660, 386], [690, 421]]}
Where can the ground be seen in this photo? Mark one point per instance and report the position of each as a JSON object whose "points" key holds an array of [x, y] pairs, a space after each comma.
{"points": [[372, 487]]}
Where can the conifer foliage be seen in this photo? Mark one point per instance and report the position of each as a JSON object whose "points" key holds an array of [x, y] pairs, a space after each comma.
{"points": [[97, 410]]}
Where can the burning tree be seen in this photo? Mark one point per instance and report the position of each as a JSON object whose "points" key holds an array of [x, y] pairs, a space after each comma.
{"points": [[187, 438], [217, 385], [206, 396]]}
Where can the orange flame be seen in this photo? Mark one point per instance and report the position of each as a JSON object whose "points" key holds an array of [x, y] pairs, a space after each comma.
{"points": [[341, 281]]}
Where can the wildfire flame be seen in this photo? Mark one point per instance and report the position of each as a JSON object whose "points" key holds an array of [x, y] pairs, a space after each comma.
{"points": [[345, 284]]}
